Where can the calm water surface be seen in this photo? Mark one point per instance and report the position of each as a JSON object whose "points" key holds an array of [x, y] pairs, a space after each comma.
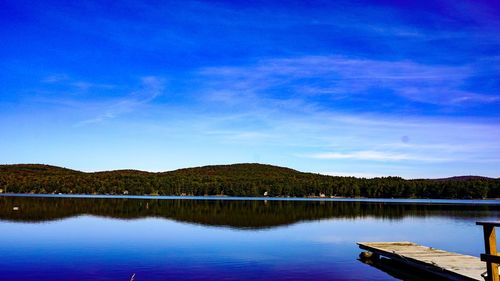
{"points": [[61, 238]]}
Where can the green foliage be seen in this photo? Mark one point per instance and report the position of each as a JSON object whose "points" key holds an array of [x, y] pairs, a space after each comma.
{"points": [[236, 180]]}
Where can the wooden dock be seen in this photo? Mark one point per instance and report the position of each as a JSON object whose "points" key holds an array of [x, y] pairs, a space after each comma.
{"points": [[447, 265]]}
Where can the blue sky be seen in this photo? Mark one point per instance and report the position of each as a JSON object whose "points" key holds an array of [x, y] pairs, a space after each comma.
{"points": [[364, 88]]}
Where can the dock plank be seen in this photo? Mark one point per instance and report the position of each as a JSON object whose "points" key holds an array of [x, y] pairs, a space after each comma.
{"points": [[452, 266]]}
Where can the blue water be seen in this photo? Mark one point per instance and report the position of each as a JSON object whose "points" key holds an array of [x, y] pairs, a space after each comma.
{"points": [[103, 245]]}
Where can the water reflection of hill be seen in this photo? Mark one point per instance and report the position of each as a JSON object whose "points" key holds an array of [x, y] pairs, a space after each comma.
{"points": [[237, 214]]}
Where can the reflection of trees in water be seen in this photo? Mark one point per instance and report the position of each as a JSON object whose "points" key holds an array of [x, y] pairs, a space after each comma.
{"points": [[233, 213]]}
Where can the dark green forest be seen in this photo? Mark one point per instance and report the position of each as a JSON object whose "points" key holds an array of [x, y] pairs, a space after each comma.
{"points": [[236, 180]]}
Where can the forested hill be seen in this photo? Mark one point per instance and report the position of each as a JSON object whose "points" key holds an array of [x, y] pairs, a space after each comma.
{"points": [[236, 180]]}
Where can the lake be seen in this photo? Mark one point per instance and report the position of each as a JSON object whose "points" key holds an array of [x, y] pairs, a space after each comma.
{"points": [[177, 238]]}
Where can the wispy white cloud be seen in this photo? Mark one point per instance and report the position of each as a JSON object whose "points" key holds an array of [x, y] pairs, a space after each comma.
{"points": [[55, 78], [346, 77], [64, 80], [371, 155], [151, 87], [86, 86], [242, 135]]}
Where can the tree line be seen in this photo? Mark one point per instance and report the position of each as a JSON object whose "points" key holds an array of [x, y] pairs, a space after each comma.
{"points": [[236, 180]]}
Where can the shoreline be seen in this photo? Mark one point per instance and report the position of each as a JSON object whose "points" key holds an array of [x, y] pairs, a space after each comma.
{"points": [[488, 201]]}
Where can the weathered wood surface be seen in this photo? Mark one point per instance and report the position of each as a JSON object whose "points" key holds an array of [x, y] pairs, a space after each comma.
{"points": [[490, 245], [448, 265]]}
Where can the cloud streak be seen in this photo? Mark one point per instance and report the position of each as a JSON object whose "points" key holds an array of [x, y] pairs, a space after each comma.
{"points": [[370, 155], [344, 78], [151, 88]]}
